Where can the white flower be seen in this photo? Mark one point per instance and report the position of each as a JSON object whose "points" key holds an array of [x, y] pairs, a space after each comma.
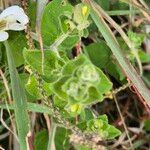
{"points": [[12, 18]]}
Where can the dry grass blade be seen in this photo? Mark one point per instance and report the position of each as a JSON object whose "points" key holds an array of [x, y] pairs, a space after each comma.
{"points": [[122, 118], [144, 11], [124, 36]]}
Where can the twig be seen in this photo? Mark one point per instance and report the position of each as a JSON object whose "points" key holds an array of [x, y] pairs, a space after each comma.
{"points": [[124, 125], [5, 125], [6, 86], [4, 135], [140, 7]]}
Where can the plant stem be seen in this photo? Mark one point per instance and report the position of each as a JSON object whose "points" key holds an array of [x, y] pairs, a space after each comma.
{"points": [[54, 46], [40, 9], [122, 12], [52, 133]]}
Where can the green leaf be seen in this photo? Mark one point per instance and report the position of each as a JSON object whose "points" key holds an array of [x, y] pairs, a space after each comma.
{"points": [[52, 64], [100, 125], [144, 57], [103, 118], [51, 25], [24, 78], [17, 42], [137, 39], [0, 53], [32, 87], [69, 68], [147, 1], [112, 132], [79, 63], [34, 59], [86, 114], [69, 43], [61, 139], [115, 71], [104, 85], [56, 88], [120, 5], [19, 97], [105, 4], [41, 140], [147, 125], [81, 147], [74, 88], [82, 83], [59, 102], [60, 19], [99, 53], [32, 13]]}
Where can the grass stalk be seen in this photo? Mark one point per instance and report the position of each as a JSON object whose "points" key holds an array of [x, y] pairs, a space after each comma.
{"points": [[51, 142]]}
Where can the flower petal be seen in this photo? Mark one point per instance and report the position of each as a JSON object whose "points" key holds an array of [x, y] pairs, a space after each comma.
{"points": [[16, 26], [17, 13], [3, 36]]}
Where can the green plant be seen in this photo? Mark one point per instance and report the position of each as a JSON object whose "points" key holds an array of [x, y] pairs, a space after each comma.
{"points": [[60, 79]]}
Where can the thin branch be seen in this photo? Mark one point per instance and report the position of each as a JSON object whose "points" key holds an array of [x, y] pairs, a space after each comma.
{"points": [[123, 122]]}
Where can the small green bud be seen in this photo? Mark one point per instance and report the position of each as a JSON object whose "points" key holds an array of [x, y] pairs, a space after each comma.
{"points": [[74, 109], [88, 73], [73, 89], [81, 13], [76, 89], [70, 24], [95, 125], [85, 10]]}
